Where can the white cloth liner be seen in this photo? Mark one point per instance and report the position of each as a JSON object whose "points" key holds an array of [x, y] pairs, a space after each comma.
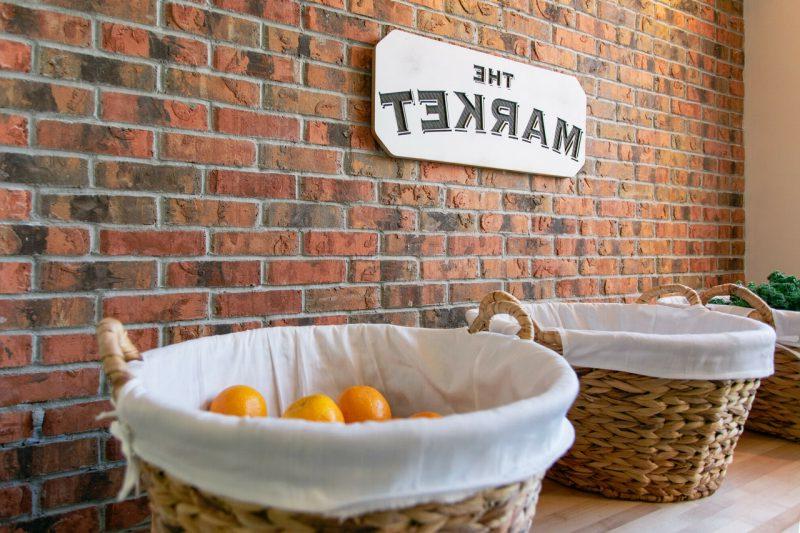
{"points": [[787, 323], [505, 400], [653, 340]]}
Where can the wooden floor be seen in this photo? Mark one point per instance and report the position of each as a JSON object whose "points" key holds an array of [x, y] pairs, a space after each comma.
{"points": [[761, 493]]}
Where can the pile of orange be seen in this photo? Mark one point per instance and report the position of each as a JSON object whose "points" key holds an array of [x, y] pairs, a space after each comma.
{"points": [[360, 403]]}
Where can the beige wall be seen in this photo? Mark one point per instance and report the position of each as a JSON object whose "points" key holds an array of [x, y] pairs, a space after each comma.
{"points": [[772, 138]]}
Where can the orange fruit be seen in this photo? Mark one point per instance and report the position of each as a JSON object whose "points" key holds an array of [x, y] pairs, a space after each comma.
{"points": [[362, 403], [316, 408], [426, 414], [239, 400]]}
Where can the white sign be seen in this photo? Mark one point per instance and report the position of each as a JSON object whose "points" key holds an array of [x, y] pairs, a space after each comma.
{"points": [[440, 102]]}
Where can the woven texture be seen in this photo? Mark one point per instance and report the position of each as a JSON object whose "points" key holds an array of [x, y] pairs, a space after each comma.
{"points": [[181, 507], [776, 409], [645, 438], [177, 506]]}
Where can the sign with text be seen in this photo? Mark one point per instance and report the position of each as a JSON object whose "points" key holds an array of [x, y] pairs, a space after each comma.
{"points": [[440, 102]]}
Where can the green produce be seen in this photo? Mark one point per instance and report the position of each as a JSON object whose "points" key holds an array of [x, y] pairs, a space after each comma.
{"points": [[780, 292]]}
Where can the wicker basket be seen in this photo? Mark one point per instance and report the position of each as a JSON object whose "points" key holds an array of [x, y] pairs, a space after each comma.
{"points": [[776, 409], [640, 437], [178, 506]]}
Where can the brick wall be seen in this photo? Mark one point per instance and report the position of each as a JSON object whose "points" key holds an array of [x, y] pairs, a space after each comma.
{"points": [[200, 167]]}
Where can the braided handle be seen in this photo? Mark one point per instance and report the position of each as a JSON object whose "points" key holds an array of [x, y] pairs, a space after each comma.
{"points": [[503, 303], [116, 349], [755, 301], [674, 289]]}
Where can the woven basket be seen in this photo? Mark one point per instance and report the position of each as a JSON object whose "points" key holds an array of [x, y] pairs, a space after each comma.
{"points": [[640, 437], [776, 409], [178, 506]]}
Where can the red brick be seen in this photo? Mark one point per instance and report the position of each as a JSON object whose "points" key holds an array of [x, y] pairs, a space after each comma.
{"points": [[210, 24], [214, 274], [138, 42], [284, 11], [45, 25], [47, 459], [445, 173], [340, 25], [15, 425], [79, 488], [292, 100], [413, 244], [337, 190], [256, 303], [574, 206], [87, 276], [443, 269], [207, 150], [505, 268], [156, 308], [98, 208], [127, 514], [207, 86], [571, 288], [137, 109], [373, 270], [342, 299], [249, 124], [254, 64], [409, 194], [301, 159], [195, 212], [82, 347], [340, 243], [13, 130], [303, 272], [472, 292], [250, 184], [413, 295], [76, 418], [14, 501], [45, 97], [381, 218], [15, 204], [27, 240], [16, 278], [478, 245], [473, 199], [554, 268], [46, 313], [15, 350], [43, 386], [106, 140], [153, 243], [15, 56], [255, 243], [85, 519], [144, 177], [531, 246]]}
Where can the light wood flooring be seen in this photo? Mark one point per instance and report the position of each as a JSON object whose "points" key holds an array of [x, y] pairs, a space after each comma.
{"points": [[761, 493]]}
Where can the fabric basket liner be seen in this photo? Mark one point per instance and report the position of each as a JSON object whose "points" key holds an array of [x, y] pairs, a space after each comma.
{"points": [[505, 401], [653, 340], [787, 323]]}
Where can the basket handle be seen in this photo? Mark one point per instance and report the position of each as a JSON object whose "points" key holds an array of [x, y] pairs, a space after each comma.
{"points": [[674, 289], [755, 301], [503, 303], [116, 349]]}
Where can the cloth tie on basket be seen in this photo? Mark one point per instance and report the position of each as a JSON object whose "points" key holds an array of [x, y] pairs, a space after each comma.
{"points": [[505, 402], [120, 430], [644, 339]]}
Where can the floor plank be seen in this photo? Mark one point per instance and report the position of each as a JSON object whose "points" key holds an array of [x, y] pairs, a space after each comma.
{"points": [[761, 494]]}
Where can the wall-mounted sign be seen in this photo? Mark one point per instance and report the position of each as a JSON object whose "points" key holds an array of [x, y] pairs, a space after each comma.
{"points": [[440, 102]]}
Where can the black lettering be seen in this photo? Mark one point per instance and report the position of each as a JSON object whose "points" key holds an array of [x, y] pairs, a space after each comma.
{"points": [[494, 76], [398, 100], [435, 105], [571, 141], [535, 128], [508, 76], [480, 73], [471, 111], [505, 113]]}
